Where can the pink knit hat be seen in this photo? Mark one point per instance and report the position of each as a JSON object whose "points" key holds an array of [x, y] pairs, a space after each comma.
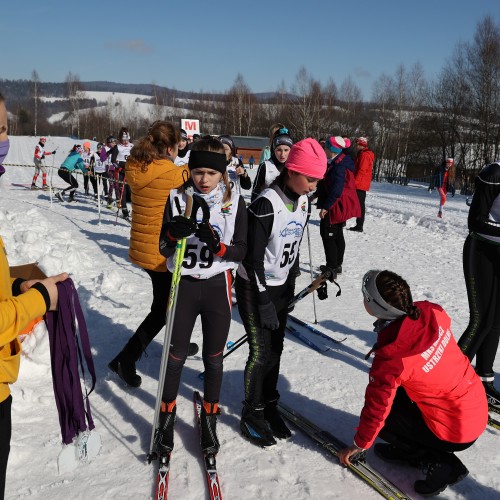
{"points": [[308, 158]]}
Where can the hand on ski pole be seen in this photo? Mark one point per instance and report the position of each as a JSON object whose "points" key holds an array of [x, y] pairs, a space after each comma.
{"points": [[268, 316], [209, 236], [180, 227]]}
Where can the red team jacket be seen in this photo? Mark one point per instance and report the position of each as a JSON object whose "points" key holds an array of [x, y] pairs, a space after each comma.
{"points": [[363, 169], [423, 357]]}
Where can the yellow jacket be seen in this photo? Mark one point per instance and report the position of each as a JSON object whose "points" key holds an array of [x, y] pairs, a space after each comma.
{"points": [[150, 191], [15, 314]]}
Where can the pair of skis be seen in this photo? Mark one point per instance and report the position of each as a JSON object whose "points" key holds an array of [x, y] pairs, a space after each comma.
{"points": [[332, 445], [208, 460], [493, 407]]}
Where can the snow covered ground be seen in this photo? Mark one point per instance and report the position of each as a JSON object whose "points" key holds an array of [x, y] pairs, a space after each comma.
{"points": [[402, 234]]}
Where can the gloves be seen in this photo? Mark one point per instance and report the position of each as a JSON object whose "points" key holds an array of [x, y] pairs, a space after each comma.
{"points": [[333, 274], [181, 227], [209, 236], [268, 316], [54, 152], [322, 291]]}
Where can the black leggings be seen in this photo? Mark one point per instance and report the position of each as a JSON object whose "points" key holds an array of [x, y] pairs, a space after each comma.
{"points": [[361, 197], [481, 261], [66, 176], [333, 242], [5, 436], [263, 364], [210, 299], [405, 428]]}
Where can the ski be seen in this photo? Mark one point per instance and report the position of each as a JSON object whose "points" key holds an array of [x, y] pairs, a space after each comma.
{"points": [[208, 459], [315, 330], [304, 339], [494, 423], [162, 477], [331, 444]]}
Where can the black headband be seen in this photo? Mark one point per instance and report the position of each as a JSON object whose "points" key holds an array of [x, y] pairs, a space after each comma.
{"points": [[207, 159]]}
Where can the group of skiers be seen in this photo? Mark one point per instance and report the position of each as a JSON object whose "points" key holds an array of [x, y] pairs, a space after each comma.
{"points": [[424, 398]]}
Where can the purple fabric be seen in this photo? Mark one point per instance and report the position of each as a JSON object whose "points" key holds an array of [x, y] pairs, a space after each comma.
{"points": [[69, 347]]}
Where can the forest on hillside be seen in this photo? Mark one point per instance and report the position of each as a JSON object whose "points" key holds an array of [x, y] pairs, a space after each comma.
{"points": [[412, 123]]}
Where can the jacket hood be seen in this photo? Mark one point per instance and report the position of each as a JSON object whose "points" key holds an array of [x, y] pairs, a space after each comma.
{"points": [[407, 337], [137, 178]]}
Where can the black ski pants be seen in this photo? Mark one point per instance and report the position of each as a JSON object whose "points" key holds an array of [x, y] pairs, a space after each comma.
{"points": [[66, 176], [481, 262], [211, 300], [405, 428], [5, 436], [361, 197], [333, 242], [263, 365]]}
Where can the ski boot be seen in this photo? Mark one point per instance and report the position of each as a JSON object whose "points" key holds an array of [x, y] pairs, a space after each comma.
{"points": [[124, 364], [45, 187], [255, 427], [492, 395], [440, 474], [208, 423], [164, 434], [440, 214], [59, 196], [33, 187], [273, 417]]}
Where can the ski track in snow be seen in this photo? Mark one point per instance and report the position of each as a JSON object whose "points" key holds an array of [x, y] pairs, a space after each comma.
{"points": [[402, 233]]}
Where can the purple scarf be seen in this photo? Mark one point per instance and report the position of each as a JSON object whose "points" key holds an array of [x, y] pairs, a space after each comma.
{"points": [[69, 347]]}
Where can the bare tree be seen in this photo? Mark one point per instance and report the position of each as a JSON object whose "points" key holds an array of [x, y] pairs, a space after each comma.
{"points": [[36, 82], [75, 93]]}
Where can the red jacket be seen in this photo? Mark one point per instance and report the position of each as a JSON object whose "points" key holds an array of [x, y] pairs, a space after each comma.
{"points": [[363, 169], [423, 357]]}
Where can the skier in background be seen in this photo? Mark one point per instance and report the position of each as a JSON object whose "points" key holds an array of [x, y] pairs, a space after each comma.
{"points": [[38, 158], [444, 180], [183, 153], [238, 176], [72, 162], [423, 396]]}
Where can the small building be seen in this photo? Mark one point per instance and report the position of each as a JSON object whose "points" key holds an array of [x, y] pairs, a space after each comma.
{"points": [[250, 146]]}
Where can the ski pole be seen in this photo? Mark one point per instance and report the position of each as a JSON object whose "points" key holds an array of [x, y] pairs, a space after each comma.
{"points": [[311, 273], [169, 322]]}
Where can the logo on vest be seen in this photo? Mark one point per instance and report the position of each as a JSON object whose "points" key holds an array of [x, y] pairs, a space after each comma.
{"points": [[293, 228]]}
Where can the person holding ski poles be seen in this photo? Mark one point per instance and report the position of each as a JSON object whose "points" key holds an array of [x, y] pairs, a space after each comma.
{"points": [[152, 174], [424, 398], [215, 246], [38, 158], [265, 283]]}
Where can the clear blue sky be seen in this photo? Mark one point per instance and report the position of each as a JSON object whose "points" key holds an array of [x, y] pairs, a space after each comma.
{"points": [[203, 45]]}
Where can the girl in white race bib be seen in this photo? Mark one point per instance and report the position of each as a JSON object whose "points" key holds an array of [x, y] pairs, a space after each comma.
{"points": [[265, 283], [214, 247]]}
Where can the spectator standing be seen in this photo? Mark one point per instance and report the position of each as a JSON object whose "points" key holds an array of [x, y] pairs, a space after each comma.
{"points": [[444, 180], [362, 177], [481, 261], [38, 158], [251, 162], [182, 157], [238, 176]]}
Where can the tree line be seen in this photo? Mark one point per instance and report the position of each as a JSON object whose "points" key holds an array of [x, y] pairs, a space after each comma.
{"points": [[412, 123]]}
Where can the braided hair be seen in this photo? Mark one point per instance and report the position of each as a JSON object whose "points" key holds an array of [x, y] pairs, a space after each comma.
{"points": [[396, 292]]}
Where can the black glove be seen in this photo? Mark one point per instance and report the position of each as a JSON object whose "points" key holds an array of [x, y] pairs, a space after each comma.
{"points": [[325, 269], [43, 157], [322, 291], [268, 316], [54, 152], [181, 227], [209, 236]]}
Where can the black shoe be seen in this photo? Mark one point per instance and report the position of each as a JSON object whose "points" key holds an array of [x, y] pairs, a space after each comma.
{"points": [[209, 441], [164, 434], [273, 417], [124, 364], [193, 349], [255, 427], [492, 395], [339, 270], [440, 475], [356, 228], [394, 455]]}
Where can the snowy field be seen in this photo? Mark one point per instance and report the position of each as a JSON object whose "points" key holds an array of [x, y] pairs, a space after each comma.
{"points": [[402, 233]]}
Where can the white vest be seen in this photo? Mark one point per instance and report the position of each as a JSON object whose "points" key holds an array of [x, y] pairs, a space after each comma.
{"points": [[180, 161], [86, 158], [99, 166], [234, 178], [271, 172], [284, 242], [199, 261], [123, 151]]}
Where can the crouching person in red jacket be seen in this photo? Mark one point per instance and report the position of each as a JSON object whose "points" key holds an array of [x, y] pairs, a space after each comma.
{"points": [[424, 398]]}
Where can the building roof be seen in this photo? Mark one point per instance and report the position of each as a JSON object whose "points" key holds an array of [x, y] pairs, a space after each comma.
{"points": [[250, 142]]}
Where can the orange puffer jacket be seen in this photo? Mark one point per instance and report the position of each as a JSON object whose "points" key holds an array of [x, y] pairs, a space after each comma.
{"points": [[150, 190]]}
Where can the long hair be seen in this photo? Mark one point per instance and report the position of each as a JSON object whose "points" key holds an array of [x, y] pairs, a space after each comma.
{"points": [[209, 143], [154, 146], [396, 292]]}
